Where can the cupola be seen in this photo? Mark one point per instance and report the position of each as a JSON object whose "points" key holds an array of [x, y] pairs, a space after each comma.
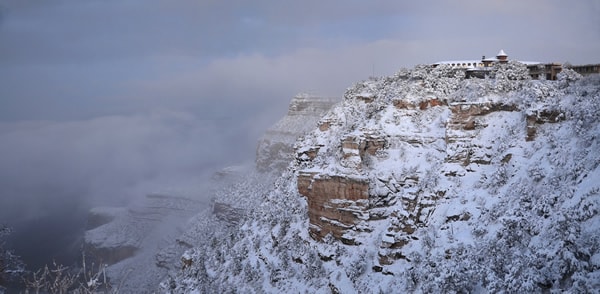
{"points": [[502, 57]]}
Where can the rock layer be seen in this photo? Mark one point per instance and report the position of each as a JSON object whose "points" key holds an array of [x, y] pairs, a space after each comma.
{"points": [[336, 203]]}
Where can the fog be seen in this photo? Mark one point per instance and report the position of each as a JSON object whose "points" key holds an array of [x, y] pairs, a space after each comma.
{"points": [[53, 172], [103, 102]]}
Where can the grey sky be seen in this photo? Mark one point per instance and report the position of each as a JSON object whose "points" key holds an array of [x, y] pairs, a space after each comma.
{"points": [[72, 59]]}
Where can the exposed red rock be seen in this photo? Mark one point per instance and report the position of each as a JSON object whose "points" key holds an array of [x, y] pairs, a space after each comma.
{"points": [[431, 103], [405, 104], [463, 114], [335, 203], [324, 126], [541, 117]]}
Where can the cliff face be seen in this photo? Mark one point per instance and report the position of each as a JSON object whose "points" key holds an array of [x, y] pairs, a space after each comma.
{"points": [[399, 157], [427, 182], [274, 153], [392, 169], [335, 203], [275, 148]]}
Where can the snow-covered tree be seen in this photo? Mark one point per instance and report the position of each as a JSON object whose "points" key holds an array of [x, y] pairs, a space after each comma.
{"points": [[11, 266]]}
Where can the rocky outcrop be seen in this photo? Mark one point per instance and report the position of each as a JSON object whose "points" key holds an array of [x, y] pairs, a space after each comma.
{"points": [[356, 148], [421, 105], [336, 203], [464, 124], [464, 114], [417, 207], [541, 117], [308, 153], [275, 149]]}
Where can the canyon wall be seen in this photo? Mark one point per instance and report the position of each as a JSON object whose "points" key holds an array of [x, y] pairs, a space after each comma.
{"points": [[275, 149], [391, 167]]}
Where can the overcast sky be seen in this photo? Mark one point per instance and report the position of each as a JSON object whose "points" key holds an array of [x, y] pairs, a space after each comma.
{"points": [[77, 59], [97, 97]]}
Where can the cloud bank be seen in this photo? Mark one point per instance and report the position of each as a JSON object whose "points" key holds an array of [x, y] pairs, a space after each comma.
{"points": [[49, 167]]}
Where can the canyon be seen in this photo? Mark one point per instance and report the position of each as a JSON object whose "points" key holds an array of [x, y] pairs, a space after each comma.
{"points": [[143, 242], [422, 181]]}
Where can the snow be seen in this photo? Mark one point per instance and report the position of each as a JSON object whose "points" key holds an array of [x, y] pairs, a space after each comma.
{"points": [[461, 63], [146, 228], [522, 223], [530, 62]]}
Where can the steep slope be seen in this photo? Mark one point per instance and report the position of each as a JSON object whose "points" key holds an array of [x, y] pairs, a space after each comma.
{"points": [[427, 182], [275, 148]]}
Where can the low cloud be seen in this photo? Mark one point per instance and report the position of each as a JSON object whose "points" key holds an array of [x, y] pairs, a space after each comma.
{"points": [[50, 167]]}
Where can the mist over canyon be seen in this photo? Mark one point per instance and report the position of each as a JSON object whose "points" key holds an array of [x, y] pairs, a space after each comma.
{"points": [[54, 172]]}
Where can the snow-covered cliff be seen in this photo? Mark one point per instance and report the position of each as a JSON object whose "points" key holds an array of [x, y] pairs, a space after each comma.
{"points": [[275, 148], [422, 182]]}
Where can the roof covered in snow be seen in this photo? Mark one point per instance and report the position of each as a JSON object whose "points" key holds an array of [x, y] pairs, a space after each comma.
{"points": [[460, 63]]}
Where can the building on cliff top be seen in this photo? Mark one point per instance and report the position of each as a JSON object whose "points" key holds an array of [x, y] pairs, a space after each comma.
{"points": [[587, 69], [537, 70]]}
